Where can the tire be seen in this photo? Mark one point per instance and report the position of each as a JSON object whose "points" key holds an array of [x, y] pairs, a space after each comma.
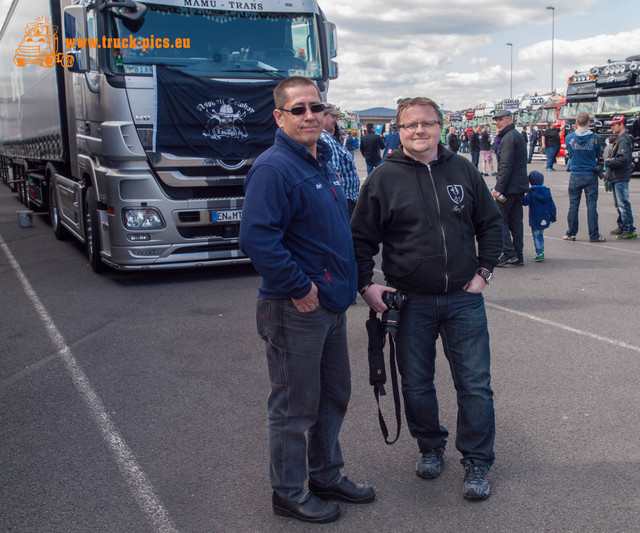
{"points": [[61, 233], [92, 231]]}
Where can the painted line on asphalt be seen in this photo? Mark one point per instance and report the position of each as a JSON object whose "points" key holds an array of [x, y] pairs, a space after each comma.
{"points": [[594, 336], [135, 478], [615, 342]]}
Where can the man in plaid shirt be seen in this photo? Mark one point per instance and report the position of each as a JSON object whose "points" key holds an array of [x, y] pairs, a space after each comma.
{"points": [[341, 158]]}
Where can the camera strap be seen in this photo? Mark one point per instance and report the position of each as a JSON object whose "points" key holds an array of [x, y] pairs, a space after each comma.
{"points": [[377, 373]]}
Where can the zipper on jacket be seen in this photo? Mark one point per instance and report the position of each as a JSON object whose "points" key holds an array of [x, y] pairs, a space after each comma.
{"points": [[444, 238]]}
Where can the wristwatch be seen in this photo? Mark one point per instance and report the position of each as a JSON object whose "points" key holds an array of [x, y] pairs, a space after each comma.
{"points": [[486, 274]]}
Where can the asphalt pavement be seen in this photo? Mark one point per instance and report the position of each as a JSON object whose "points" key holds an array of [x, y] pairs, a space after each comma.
{"points": [[136, 402]]}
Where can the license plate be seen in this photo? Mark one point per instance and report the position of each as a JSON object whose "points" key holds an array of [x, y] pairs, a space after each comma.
{"points": [[226, 216]]}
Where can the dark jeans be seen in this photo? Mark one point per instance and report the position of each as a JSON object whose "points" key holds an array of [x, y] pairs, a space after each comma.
{"points": [[310, 388], [551, 152], [532, 149], [588, 183], [475, 158], [512, 225], [460, 319]]}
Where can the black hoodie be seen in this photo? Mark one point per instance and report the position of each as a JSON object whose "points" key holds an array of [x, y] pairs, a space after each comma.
{"points": [[428, 218]]}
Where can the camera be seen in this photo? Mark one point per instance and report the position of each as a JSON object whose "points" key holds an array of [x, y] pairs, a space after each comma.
{"points": [[391, 317]]}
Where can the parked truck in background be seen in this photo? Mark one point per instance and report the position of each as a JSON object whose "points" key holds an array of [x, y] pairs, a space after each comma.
{"points": [[618, 90], [81, 137]]}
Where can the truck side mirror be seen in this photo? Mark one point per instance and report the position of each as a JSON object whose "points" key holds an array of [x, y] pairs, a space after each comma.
{"points": [[75, 27], [332, 38]]}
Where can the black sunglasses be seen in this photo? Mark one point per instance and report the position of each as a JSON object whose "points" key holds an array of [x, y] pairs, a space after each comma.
{"points": [[301, 110]]}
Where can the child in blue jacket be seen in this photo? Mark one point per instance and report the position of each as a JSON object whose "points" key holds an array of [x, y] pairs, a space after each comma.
{"points": [[542, 211]]}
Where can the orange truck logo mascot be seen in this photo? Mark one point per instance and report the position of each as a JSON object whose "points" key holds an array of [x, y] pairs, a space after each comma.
{"points": [[40, 46]]}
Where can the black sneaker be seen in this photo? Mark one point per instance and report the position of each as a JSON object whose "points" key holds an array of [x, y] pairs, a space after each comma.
{"points": [[476, 481], [617, 231], [507, 260], [430, 464], [600, 238]]}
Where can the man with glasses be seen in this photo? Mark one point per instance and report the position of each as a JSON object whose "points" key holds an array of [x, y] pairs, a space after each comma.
{"points": [[295, 229], [428, 208]]}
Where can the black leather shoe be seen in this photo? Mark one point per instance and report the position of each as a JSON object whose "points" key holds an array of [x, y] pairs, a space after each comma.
{"points": [[345, 490], [310, 510]]}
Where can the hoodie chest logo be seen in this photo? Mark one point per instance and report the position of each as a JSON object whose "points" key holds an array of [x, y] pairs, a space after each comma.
{"points": [[456, 193]]}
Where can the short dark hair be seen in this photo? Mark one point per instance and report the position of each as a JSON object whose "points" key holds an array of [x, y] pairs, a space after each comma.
{"points": [[420, 100], [370, 127], [583, 119], [280, 92]]}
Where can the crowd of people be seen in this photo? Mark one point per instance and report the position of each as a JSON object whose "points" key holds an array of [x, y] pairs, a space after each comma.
{"points": [[312, 233]]}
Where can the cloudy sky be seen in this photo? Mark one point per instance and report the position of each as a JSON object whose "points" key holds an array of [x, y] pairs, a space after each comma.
{"points": [[455, 51]]}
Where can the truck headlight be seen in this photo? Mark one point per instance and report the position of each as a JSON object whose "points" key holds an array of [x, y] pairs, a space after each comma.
{"points": [[142, 218]]}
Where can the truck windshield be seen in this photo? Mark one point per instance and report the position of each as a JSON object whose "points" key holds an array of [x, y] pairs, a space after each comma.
{"points": [[571, 109], [226, 44], [548, 115], [623, 103]]}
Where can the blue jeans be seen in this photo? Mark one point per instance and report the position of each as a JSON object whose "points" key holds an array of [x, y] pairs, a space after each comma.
{"points": [[532, 149], [538, 240], [621, 196], [371, 167], [459, 318], [310, 378], [551, 152], [475, 158], [588, 183]]}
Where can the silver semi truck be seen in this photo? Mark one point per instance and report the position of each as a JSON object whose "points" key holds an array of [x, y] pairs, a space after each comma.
{"points": [[107, 121]]}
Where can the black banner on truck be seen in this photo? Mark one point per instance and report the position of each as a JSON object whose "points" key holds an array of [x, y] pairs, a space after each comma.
{"points": [[199, 117]]}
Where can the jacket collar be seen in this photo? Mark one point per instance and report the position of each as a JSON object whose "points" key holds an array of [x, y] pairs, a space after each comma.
{"points": [[323, 149]]}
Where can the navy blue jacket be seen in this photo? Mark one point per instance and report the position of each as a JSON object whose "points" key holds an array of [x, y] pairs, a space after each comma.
{"points": [[295, 225], [542, 208]]}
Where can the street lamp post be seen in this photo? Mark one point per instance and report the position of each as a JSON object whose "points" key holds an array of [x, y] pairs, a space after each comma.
{"points": [[511, 72], [553, 17]]}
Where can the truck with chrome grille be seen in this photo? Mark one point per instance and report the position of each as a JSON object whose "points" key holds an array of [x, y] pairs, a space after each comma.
{"points": [[618, 92], [138, 140]]}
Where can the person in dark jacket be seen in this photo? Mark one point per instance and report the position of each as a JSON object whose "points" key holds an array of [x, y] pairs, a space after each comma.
{"points": [[512, 183], [620, 163], [474, 146], [295, 229], [428, 207], [551, 145], [542, 211], [370, 146], [533, 141]]}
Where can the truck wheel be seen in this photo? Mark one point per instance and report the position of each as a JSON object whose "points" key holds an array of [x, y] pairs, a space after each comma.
{"points": [[92, 231], [18, 61], [61, 233], [48, 62]]}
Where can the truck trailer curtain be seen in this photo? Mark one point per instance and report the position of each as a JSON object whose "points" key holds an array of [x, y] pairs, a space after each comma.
{"points": [[199, 117]]}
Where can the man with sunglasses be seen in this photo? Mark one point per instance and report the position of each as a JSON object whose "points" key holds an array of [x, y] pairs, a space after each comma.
{"points": [[295, 229], [428, 207]]}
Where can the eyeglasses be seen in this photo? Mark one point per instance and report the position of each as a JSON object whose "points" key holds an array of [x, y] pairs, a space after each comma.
{"points": [[301, 110], [413, 126]]}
